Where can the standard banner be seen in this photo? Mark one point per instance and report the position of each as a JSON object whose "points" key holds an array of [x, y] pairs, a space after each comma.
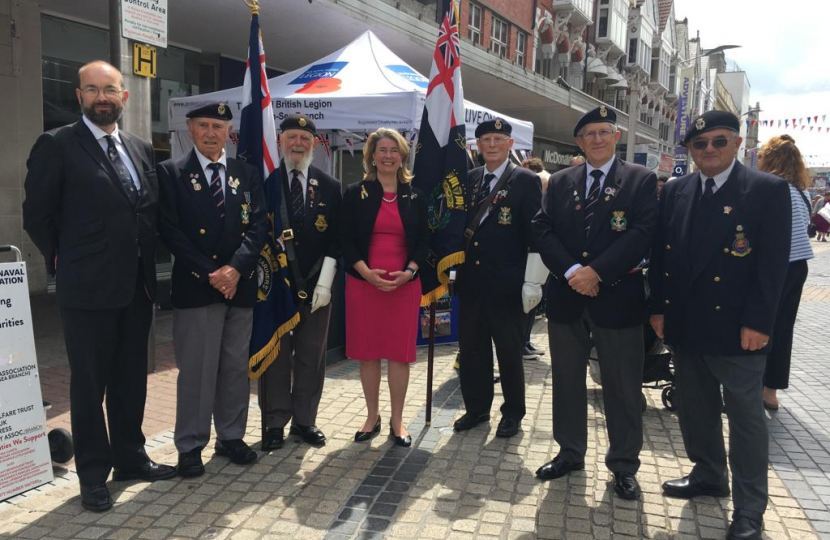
{"points": [[25, 462]]}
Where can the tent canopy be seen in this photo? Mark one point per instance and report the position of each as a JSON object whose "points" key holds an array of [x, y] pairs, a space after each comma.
{"points": [[359, 88]]}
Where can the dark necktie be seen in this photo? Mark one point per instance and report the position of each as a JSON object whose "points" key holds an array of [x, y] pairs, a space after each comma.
{"points": [[216, 188], [484, 188], [121, 169], [297, 203], [709, 189], [591, 200]]}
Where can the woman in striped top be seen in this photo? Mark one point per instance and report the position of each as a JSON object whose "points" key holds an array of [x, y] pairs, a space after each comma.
{"points": [[781, 157]]}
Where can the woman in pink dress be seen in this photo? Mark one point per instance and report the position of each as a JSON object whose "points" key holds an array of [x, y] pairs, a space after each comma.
{"points": [[385, 238]]}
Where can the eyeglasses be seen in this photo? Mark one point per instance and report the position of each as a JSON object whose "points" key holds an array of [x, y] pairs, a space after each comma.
{"points": [[493, 141], [109, 91], [602, 134], [717, 142]]}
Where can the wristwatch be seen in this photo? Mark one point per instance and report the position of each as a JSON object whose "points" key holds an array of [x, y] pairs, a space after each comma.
{"points": [[414, 272]]}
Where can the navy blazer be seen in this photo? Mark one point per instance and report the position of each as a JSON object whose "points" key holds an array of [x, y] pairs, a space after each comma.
{"points": [[496, 255], [735, 279], [78, 213], [622, 231], [202, 242], [361, 204]]}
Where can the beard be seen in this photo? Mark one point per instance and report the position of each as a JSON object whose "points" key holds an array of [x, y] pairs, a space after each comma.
{"points": [[301, 164], [104, 116]]}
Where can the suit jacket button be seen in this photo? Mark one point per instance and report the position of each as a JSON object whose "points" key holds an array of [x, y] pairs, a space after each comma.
{"points": [[668, 247], [214, 257], [478, 263], [667, 302], [667, 274], [243, 236], [584, 253], [726, 250], [717, 279], [717, 308], [475, 243], [202, 231]]}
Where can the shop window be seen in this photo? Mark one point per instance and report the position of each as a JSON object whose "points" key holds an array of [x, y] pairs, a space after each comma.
{"points": [[521, 43]]}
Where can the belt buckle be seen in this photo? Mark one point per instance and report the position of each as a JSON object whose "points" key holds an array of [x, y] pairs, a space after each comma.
{"points": [[288, 234]]}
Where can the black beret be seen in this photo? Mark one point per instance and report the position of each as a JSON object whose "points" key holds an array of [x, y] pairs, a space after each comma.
{"points": [[496, 125], [298, 121], [217, 110], [594, 116], [712, 120]]}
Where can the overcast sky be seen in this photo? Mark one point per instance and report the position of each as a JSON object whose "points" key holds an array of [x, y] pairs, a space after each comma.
{"points": [[784, 53]]}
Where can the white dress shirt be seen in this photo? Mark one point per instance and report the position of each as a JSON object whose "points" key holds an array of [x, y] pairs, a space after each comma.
{"points": [[720, 179], [223, 170], [302, 174], [100, 136], [605, 168]]}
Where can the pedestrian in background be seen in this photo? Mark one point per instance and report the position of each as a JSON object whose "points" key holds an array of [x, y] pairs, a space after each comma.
{"points": [[821, 218], [385, 239], [531, 351], [781, 157]]}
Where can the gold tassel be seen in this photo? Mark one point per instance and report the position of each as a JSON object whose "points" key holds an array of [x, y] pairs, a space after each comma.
{"points": [[453, 259], [271, 350]]}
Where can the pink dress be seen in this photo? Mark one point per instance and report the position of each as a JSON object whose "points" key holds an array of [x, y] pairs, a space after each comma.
{"points": [[383, 324]]}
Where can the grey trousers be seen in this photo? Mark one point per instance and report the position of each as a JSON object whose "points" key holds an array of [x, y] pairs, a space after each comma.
{"points": [[211, 346], [699, 378], [295, 380], [621, 356]]}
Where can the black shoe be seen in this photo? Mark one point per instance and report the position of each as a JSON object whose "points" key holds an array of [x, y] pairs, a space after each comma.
{"points": [[686, 488], [149, 471], [236, 450], [190, 464], [527, 354], [96, 498], [469, 421], [558, 468], [534, 349], [405, 441], [273, 439], [363, 436], [626, 485], [745, 528], [310, 434], [507, 427]]}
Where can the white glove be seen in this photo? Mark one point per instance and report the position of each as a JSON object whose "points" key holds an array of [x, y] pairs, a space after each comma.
{"points": [[536, 273], [322, 292]]}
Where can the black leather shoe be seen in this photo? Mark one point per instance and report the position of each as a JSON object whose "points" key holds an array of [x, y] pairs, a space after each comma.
{"points": [[686, 488], [96, 498], [745, 528], [190, 464], [363, 436], [533, 348], [405, 441], [558, 468], [626, 485], [528, 354], [273, 440], [469, 421], [236, 450], [507, 427], [149, 471], [310, 434]]}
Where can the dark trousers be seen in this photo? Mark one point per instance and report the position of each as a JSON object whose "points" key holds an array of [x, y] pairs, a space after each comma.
{"points": [[295, 380], [777, 374], [107, 351], [699, 381], [480, 321], [621, 357]]}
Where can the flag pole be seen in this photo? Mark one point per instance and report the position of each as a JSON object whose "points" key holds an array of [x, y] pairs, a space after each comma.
{"points": [[430, 361]]}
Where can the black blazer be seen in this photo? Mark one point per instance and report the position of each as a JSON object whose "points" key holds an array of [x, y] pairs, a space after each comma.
{"points": [[77, 211], [496, 255], [622, 231], [361, 204], [319, 236], [200, 241], [735, 279]]}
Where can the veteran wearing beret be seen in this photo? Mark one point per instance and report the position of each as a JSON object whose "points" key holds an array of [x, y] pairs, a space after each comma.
{"points": [[214, 223], [500, 281], [596, 226], [311, 211], [717, 270]]}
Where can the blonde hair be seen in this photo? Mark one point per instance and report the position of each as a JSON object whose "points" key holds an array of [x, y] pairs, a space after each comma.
{"points": [[370, 171], [781, 157]]}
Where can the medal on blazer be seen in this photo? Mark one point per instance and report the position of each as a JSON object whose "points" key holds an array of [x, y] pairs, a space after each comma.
{"points": [[245, 213], [193, 180], [233, 183], [740, 246], [505, 217], [619, 223], [321, 224]]}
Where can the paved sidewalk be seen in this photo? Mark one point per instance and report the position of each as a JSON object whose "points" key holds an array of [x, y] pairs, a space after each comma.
{"points": [[448, 485]]}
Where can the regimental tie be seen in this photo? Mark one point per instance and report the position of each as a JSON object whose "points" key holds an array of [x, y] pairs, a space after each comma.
{"points": [[216, 188], [297, 202], [591, 201], [121, 169], [484, 188], [709, 189]]}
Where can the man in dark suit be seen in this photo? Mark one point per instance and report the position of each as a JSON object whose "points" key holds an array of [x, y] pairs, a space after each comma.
{"points": [[596, 226], [91, 208], [214, 223], [294, 382], [717, 270], [497, 281]]}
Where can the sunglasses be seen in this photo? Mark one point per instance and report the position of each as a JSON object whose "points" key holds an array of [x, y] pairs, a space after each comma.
{"points": [[717, 142]]}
